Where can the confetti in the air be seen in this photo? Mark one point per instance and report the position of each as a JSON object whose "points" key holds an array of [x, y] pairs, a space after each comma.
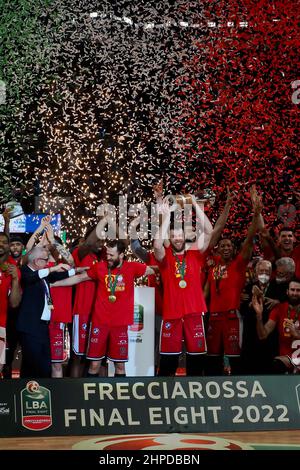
{"points": [[105, 98]]}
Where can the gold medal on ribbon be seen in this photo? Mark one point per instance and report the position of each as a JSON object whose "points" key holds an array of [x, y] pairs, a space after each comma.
{"points": [[113, 284], [181, 267]]}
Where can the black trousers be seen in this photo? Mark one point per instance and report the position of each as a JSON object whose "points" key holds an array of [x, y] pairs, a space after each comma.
{"points": [[36, 356], [12, 341]]}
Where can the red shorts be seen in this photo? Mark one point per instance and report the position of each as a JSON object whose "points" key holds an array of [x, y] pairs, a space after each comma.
{"points": [[224, 335], [57, 341], [108, 341], [81, 324], [190, 328]]}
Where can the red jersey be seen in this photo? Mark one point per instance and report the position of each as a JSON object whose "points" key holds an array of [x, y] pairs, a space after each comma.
{"points": [[178, 302], [5, 287], [75, 256], [155, 281], [85, 291], [210, 260], [121, 311], [296, 257], [278, 314], [12, 260], [226, 283], [62, 302]]}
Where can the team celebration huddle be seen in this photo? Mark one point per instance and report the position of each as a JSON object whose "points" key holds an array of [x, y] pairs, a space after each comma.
{"points": [[219, 308]]}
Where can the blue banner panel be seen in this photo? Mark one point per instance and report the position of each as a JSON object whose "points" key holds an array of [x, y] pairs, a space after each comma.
{"points": [[30, 222], [34, 220]]}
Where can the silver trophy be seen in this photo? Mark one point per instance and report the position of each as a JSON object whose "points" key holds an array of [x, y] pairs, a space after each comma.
{"points": [[15, 209], [207, 196]]}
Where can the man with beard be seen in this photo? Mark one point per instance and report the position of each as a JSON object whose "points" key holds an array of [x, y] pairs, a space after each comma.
{"points": [[224, 287], [10, 293], [114, 307], [285, 247], [16, 247], [284, 317], [183, 301]]}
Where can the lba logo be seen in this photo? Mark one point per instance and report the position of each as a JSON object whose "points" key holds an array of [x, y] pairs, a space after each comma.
{"points": [[36, 407]]}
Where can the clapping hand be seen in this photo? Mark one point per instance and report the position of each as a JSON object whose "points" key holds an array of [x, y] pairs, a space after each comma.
{"points": [[258, 305], [49, 233], [230, 196], [45, 221]]}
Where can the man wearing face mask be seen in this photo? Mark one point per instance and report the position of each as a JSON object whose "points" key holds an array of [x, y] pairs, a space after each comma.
{"points": [[257, 356], [285, 271]]}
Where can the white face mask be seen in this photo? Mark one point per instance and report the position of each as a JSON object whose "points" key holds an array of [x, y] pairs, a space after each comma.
{"points": [[263, 278]]}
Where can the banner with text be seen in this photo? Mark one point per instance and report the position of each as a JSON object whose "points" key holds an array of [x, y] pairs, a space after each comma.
{"points": [[148, 405]]}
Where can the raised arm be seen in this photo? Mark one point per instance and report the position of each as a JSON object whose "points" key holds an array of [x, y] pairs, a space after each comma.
{"points": [[268, 245], [158, 192], [254, 196], [72, 281], [203, 228], [158, 244], [35, 236], [58, 251], [55, 273], [6, 218], [248, 243], [221, 221]]}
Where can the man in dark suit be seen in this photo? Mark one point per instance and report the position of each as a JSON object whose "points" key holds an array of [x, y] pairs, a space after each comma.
{"points": [[35, 311]]}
